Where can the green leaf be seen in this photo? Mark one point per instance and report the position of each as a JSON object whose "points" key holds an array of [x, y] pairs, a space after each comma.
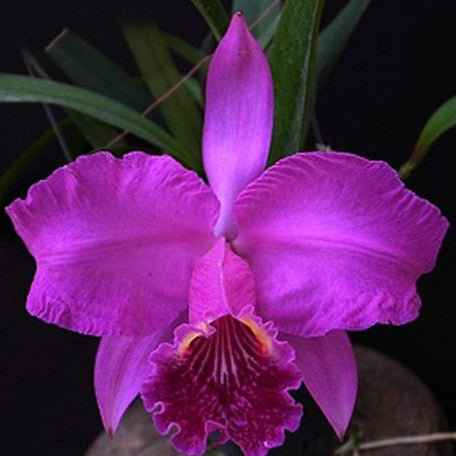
{"points": [[292, 63], [254, 10], [335, 36], [97, 134], [196, 92], [183, 49], [87, 67], [30, 158], [35, 69], [441, 121], [24, 89], [179, 109], [214, 14], [266, 36]]}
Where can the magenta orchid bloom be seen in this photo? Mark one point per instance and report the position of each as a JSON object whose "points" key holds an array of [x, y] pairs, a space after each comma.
{"points": [[214, 301]]}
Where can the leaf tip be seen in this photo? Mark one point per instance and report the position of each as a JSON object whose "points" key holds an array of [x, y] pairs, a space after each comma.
{"points": [[56, 40]]}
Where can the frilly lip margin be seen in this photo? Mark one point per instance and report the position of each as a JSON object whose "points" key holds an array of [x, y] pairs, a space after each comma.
{"points": [[280, 351]]}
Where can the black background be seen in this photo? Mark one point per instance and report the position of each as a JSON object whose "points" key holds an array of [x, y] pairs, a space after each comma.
{"points": [[399, 66]]}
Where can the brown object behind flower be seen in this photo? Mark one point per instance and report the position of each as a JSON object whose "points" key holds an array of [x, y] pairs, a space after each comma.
{"points": [[392, 402]]}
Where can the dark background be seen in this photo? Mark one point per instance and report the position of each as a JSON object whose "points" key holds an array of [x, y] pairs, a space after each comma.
{"points": [[398, 68]]}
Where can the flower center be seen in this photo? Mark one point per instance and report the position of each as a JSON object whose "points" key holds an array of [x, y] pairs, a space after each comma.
{"points": [[225, 228], [230, 357], [231, 376]]}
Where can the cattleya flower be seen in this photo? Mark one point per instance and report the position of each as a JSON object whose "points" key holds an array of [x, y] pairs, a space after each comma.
{"points": [[214, 301]]}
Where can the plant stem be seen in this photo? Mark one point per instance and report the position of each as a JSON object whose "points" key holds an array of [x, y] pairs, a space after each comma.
{"points": [[263, 15], [33, 68], [164, 97], [407, 440]]}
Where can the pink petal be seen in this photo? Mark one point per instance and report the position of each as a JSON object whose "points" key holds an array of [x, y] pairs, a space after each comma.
{"points": [[115, 241], [238, 122], [328, 369], [120, 369], [221, 284], [335, 242], [232, 377]]}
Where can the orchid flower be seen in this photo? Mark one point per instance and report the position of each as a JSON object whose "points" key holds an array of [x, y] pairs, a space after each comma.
{"points": [[213, 301]]}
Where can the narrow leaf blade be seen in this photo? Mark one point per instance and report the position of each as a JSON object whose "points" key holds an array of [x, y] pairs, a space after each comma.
{"points": [[335, 36], [265, 10], [23, 89], [292, 63], [179, 109], [96, 133], [266, 36], [30, 159], [183, 49], [214, 14], [87, 67], [440, 122], [196, 92]]}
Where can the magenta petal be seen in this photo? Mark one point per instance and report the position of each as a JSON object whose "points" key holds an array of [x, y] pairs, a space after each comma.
{"points": [[221, 284], [115, 241], [328, 369], [335, 241], [238, 121], [120, 369], [233, 377]]}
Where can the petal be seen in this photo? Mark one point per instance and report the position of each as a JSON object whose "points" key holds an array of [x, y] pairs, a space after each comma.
{"points": [[238, 121], [335, 242], [232, 377], [221, 284], [121, 367], [328, 369], [115, 241]]}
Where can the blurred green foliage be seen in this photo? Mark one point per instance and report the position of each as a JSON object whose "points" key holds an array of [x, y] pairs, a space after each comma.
{"points": [[160, 110]]}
